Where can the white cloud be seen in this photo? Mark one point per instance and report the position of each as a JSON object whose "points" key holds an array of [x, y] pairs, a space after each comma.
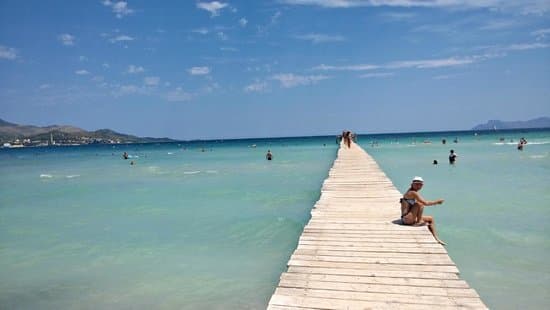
{"points": [[362, 3], [222, 36], [121, 38], [264, 29], [151, 81], [366, 67], [228, 49], [9, 53], [275, 17], [120, 8], [499, 24], [419, 64], [66, 39], [199, 70], [493, 52], [178, 95], [256, 87], [320, 38], [430, 63], [500, 51], [523, 6], [526, 46], [45, 86], [210, 88], [82, 72], [443, 77], [289, 80], [132, 69], [376, 75], [213, 7], [541, 33], [201, 31], [398, 16], [127, 89], [243, 22]]}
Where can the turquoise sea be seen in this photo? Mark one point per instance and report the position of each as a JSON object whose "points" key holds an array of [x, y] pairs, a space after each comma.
{"points": [[211, 224]]}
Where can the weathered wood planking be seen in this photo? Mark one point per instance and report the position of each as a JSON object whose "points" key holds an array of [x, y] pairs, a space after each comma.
{"points": [[354, 254]]}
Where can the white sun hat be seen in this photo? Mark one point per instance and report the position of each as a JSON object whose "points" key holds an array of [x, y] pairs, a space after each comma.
{"points": [[418, 179]]}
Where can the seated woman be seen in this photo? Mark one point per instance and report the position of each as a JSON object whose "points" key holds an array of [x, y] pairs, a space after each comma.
{"points": [[412, 207]]}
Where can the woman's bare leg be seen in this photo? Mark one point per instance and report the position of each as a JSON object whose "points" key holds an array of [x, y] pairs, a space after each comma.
{"points": [[431, 227], [419, 208]]}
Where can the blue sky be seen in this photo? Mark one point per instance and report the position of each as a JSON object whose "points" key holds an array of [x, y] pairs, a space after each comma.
{"points": [[229, 69]]}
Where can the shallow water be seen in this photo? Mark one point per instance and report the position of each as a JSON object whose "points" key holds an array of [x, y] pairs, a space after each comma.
{"points": [[212, 224], [82, 228]]}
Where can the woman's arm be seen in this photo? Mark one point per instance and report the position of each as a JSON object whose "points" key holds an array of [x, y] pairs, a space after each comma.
{"points": [[427, 202]]}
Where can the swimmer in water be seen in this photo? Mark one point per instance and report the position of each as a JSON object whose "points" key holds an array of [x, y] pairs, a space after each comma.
{"points": [[268, 156]]}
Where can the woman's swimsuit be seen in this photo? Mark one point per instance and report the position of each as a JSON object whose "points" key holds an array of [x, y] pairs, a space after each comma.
{"points": [[411, 202]]}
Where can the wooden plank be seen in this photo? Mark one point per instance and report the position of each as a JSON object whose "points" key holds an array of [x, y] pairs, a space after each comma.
{"points": [[375, 260], [432, 301], [370, 266], [377, 288], [372, 249], [374, 273], [373, 239], [395, 258], [444, 283], [360, 233], [355, 254], [382, 245], [307, 302]]}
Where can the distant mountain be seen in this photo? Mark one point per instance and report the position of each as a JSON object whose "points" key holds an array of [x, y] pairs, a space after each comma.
{"points": [[4, 123], [541, 122], [9, 132]]}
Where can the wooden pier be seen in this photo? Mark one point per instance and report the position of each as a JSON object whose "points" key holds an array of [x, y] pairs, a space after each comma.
{"points": [[354, 254]]}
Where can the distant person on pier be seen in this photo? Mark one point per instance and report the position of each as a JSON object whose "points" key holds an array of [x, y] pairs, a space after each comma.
{"points": [[347, 138], [412, 208], [452, 157], [268, 156]]}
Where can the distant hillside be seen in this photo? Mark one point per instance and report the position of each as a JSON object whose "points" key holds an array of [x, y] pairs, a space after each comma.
{"points": [[9, 132], [541, 122]]}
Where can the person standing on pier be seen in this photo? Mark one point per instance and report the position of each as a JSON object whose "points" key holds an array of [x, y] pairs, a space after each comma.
{"points": [[412, 207], [347, 138]]}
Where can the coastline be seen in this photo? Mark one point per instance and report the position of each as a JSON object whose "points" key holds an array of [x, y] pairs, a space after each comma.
{"points": [[420, 134]]}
